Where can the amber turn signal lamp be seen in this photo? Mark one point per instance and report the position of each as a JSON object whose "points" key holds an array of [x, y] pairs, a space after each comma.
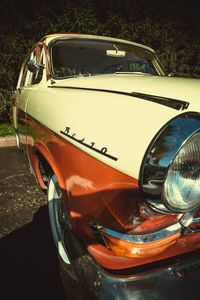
{"points": [[137, 250]]}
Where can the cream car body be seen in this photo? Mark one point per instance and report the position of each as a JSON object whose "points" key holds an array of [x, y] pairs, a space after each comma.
{"points": [[92, 139]]}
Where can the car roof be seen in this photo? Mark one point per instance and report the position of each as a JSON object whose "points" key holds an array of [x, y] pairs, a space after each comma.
{"points": [[51, 37]]}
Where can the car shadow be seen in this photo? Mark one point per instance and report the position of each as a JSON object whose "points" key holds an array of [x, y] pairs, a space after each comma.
{"points": [[28, 262]]}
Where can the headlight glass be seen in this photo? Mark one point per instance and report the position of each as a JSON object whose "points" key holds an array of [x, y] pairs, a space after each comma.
{"points": [[182, 185]]}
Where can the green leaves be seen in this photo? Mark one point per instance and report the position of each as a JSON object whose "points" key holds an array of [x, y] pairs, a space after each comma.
{"points": [[153, 23], [6, 129]]}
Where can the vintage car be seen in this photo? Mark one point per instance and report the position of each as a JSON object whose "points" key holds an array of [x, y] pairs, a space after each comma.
{"points": [[115, 143]]}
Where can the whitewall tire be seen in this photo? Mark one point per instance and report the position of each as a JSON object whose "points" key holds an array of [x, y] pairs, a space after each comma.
{"points": [[58, 217]]}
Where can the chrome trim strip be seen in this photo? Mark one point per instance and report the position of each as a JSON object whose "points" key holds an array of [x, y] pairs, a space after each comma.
{"points": [[170, 102], [139, 238], [102, 151]]}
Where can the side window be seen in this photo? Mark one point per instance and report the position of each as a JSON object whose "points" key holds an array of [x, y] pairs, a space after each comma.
{"points": [[25, 73], [29, 78], [38, 57]]}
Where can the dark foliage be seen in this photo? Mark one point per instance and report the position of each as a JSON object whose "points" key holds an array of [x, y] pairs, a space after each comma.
{"points": [[171, 27]]}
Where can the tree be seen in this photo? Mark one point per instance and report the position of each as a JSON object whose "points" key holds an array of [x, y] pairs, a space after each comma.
{"points": [[153, 23]]}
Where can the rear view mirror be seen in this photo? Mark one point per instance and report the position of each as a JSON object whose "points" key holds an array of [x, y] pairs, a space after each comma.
{"points": [[115, 53]]}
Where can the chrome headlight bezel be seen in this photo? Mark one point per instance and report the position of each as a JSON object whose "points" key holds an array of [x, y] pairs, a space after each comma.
{"points": [[161, 154], [182, 183]]}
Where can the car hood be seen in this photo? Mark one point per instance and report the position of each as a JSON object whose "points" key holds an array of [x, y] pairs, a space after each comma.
{"points": [[103, 110], [184, 89]]}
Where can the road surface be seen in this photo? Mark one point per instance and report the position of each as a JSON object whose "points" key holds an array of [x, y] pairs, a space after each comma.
{"points": [[28, 261]]}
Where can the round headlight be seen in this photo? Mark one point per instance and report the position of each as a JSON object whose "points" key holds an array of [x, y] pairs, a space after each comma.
{"points": [[181, 190]]}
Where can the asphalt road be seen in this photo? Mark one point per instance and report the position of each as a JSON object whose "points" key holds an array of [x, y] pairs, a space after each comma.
{"points": [[28, 261]]}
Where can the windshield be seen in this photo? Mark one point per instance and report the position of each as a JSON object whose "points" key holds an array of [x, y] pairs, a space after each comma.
{"points": [[80, 57]]}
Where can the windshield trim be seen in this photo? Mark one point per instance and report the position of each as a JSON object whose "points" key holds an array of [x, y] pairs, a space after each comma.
{"points": [[158, 66]]}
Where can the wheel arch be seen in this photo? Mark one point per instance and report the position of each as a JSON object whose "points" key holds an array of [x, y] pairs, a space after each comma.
{"points": [[41, 154]]}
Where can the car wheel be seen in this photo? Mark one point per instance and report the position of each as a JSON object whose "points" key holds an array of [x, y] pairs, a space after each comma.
{"points": [[58, 217], [60, 226]]}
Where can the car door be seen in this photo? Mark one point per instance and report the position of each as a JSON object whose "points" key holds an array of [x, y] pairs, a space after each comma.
{"points": [[27, 84]]}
